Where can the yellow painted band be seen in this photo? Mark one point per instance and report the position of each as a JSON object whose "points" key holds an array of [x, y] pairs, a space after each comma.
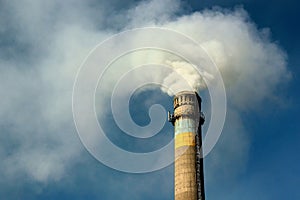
{"points": [[185, 139]]}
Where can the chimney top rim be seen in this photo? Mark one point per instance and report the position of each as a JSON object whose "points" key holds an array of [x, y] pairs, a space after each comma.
{"points": [[185, 92]]}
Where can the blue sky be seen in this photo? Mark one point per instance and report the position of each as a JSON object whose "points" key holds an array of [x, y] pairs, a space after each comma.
{"points": [[41, 48]]}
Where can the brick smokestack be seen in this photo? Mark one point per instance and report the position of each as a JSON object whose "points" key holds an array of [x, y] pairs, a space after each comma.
{"points": [[187, 120]]}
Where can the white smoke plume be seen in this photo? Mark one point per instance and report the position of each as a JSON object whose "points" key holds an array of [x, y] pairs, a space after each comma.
{"points": [[251, 64], [188, 72], [36, 86]]}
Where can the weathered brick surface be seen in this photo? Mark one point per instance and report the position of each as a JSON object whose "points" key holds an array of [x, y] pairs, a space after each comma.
{"points": [[185, 173]]}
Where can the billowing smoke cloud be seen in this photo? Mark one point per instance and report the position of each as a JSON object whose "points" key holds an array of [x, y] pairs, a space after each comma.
{"points": [[250, 63], [185, 71], [38, 71]]}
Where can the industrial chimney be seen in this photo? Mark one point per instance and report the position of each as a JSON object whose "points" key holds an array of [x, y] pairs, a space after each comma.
{"points": [[187, 120]]}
